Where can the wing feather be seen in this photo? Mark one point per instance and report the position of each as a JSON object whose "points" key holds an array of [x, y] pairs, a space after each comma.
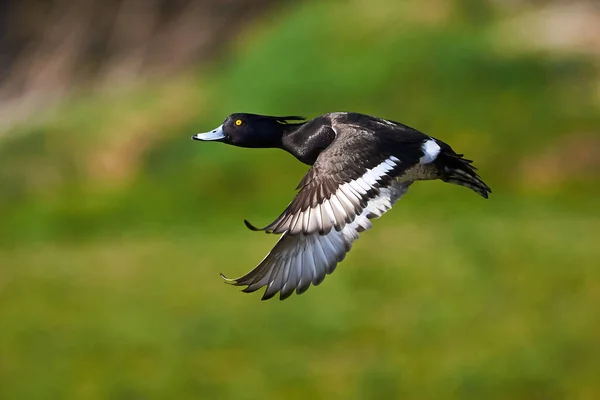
{"points": [[297, 261]]}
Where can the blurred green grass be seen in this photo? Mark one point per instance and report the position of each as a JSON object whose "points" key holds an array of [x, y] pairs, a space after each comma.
{"points": [[461, 306], [115, 226]]}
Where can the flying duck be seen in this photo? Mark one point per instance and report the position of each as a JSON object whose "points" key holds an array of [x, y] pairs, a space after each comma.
{"points": [[361, 165]]}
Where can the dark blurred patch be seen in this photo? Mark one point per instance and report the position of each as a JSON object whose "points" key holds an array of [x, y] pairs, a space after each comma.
{"points": [[47, 48]]}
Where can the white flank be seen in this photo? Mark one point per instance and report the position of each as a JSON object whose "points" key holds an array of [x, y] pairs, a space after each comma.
{"points": [[431, 150]]}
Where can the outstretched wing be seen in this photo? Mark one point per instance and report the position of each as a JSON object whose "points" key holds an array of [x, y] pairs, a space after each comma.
{"points": [[352, 181], [296, 261]]}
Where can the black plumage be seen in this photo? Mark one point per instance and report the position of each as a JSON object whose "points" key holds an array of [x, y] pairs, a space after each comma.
{"points": [[361, 165]]}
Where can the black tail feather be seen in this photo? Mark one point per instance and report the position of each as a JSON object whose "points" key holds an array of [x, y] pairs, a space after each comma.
{"points": [[459, 171]]}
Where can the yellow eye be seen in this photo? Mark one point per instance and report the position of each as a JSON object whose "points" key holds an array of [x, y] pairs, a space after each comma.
{"points": [[238, 122]]}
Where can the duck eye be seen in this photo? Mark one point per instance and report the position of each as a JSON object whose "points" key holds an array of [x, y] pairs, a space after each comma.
{"points": [[238, 122]]}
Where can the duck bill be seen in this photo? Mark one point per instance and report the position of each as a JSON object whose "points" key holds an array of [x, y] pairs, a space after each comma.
{"points": [[214, 135]]}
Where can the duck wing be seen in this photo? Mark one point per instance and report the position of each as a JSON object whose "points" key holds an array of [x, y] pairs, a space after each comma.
{"points": [[352, 181]]}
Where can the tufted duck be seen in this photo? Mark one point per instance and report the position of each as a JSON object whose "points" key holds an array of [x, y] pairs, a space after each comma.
{"points": [[361, 165]]}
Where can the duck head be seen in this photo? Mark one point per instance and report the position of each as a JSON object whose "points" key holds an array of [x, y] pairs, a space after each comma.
{"points": [[250, 130]]}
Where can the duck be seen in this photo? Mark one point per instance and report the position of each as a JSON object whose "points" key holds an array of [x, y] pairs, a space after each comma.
{"points": [[360, 166]]}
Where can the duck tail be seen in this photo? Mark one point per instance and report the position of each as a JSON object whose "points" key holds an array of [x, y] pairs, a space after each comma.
{"points": [[455, 169]]}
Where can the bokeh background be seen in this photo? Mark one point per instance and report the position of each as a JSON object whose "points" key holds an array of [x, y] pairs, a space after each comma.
{"points": [[114, 225]]}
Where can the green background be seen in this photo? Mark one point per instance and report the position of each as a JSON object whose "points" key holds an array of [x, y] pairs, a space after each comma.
{"points": [[114, 225]]}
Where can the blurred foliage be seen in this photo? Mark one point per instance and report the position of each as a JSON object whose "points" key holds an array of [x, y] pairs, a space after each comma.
{"points": [[115, 225], [47, 48]]}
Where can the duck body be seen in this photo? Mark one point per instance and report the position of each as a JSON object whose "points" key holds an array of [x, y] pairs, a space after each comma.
{"points": [[308, 140], [361, 165]]}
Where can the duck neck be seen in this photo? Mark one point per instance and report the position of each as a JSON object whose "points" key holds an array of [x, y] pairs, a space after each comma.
{"points": [[289, 129], [283, 135], [306, 141]]}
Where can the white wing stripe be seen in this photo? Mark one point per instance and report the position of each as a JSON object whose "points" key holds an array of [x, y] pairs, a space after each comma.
{"points": [[341, 214], [390, 163], [356, 186], [363, 184], [329, 211], [309, 222], [318, 218], [341, 196], [295, 218], [354, 197], [371, 176], [376, 173]]}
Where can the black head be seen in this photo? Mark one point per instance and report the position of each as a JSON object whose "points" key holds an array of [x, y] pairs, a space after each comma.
{"points": [[250, 130]]}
